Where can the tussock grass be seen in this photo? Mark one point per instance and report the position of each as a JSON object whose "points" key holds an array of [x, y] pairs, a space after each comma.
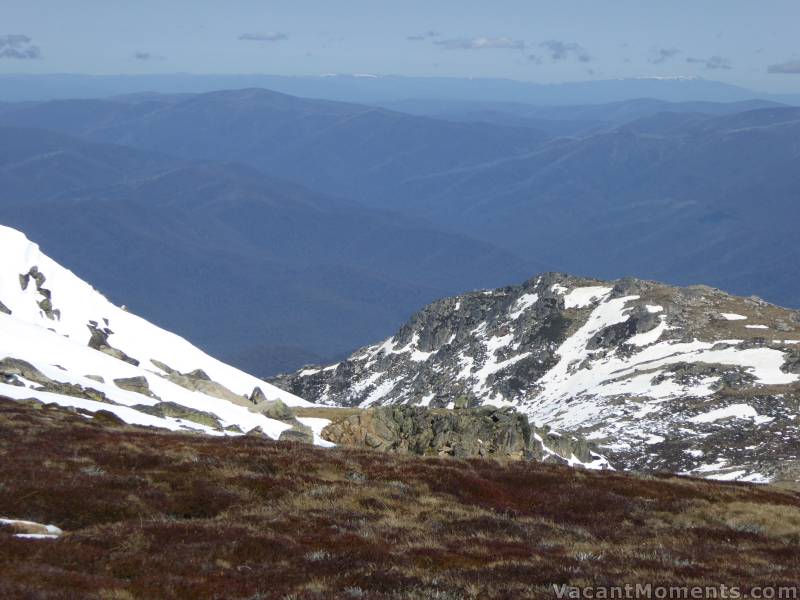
{"points": [[152, 515]]}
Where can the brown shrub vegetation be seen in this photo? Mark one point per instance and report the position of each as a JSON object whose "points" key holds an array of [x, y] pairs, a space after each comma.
{"points": [[151, 514]]}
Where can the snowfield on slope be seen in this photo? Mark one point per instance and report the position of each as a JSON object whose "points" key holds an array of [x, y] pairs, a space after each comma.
{"points": [[50, 326], [632, 365], [612, 375]]}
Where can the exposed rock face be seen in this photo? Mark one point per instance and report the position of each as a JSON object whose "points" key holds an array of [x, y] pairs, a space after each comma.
{"points": [[45, 303], [479, 432], [257, 396], [13, 370], [170, 409], [138, 385], [639, 367], [298, 433], [99, 341], [199, 381], [275, 409]]}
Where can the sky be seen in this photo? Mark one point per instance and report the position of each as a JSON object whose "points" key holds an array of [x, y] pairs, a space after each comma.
{"points": [[753, 43]]}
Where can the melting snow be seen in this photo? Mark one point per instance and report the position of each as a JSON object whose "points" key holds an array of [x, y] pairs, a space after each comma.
{"points": [[738, 411], [756, 478], [585, 378], [649, 337], [380, 391], [426, 400], [721, 463], [733, 317], [466, 363], [50, 532], [317, 425], [730, 476], [522, 304], [584, 296]]}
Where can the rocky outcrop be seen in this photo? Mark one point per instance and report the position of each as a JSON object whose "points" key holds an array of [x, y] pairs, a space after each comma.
{"points": [[17, 372], [99, 341], [138, 385], [257, 396], [636, 366], [278, 410], [275, 409], [178, 411], [463, 433], [45, 303], [298, 433], [199, 381]]}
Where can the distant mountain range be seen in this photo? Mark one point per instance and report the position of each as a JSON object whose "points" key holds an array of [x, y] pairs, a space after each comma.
{"points": [[265, 274], [287, 230], [370, 88], [686, 193], [566, 120]]}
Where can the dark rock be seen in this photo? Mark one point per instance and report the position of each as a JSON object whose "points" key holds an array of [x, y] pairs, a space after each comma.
{"points": [[792, 362], [298, 433], [15, 366], [178, 411], [164, 367], [198, 375], [275, 409], [138, 385], [257, 396], [107, 418], [99, 341], [199, 381], [45, 303]]}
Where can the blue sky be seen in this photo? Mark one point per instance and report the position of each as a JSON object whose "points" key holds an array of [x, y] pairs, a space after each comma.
{"points": [[746, 42]]}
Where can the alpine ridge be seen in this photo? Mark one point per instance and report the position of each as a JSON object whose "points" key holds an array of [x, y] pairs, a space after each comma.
{"points": [[62, 342], [689, 380]]}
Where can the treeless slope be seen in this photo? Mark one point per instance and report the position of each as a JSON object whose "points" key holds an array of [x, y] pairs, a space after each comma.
{"points": [[149, 514]]}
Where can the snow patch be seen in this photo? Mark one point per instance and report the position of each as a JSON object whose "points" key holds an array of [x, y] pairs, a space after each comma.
{"points": [[737, 411], [45, 532], [522, 304], [584, 296], [733, 317], [317, 425], [649, 337]]}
